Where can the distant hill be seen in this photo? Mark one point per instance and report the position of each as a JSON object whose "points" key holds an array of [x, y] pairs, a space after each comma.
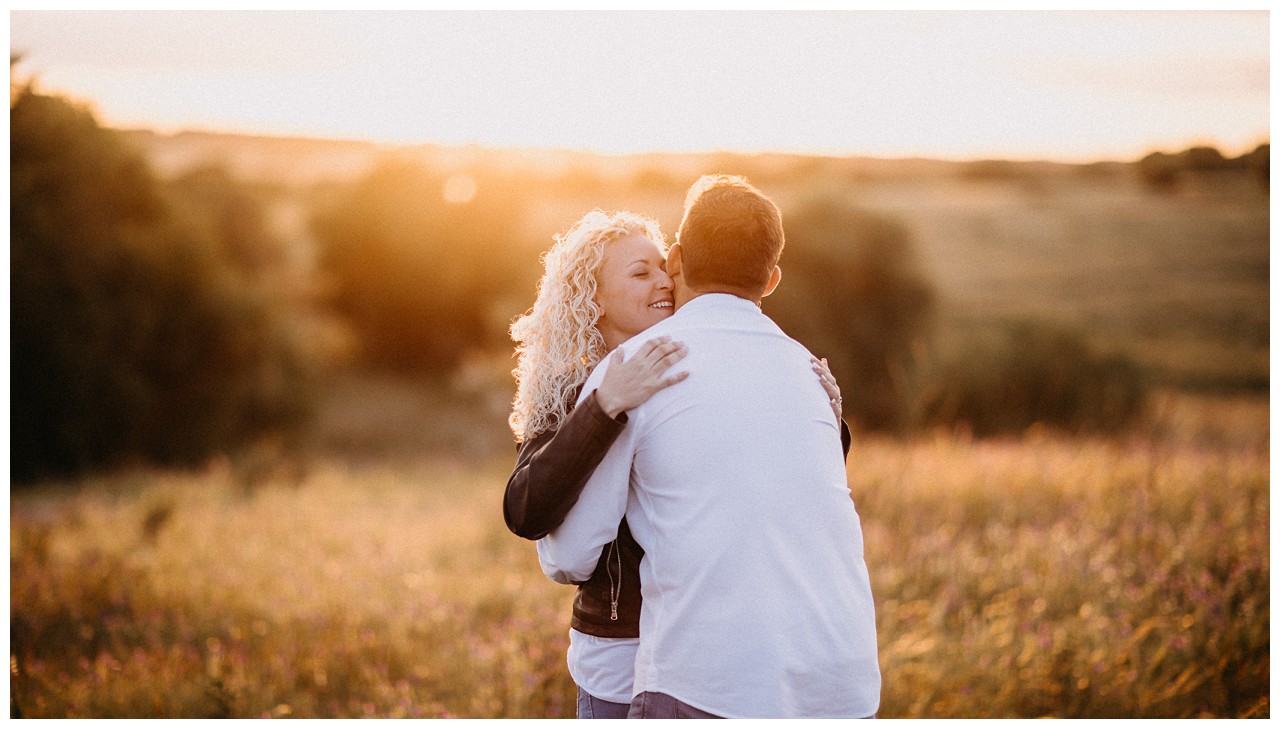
{"points": [[301, 160], [276, 159]]}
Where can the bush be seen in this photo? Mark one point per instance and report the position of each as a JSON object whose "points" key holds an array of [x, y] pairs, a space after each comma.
{"points": [[423, 280], [1258, 162], [1160, 171], [1006, 380], [132, 335], [288, 343], [1204, 159], [1166, 172], [852, 291]]}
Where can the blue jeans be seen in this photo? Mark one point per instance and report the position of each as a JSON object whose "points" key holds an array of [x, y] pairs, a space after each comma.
{"points": [[656, 705], [589, 707]]}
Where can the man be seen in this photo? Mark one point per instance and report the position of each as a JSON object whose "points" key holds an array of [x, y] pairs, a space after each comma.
{"points": [[756, 599]]}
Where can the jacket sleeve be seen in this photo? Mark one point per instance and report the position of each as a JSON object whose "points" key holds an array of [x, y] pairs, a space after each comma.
{"points": [[552, 469], [570, 553]]}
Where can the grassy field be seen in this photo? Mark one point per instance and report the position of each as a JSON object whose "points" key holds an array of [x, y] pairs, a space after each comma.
{"points": [[1034, 577], [369, 574]]}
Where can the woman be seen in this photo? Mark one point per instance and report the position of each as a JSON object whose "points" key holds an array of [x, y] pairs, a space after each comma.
{"points": [[604, 283]]}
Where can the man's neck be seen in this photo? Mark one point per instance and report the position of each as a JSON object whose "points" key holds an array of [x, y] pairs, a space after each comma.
{"points": [[684, 294]]}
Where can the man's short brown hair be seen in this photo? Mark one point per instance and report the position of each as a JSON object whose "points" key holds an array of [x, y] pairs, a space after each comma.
{"points": [[731, 235]]}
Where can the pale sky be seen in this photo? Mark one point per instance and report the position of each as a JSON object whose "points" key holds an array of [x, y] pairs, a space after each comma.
{"points": [[1074, 86]]}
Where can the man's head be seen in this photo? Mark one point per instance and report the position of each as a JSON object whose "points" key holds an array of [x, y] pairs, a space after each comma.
{"points": [[729, 240]]}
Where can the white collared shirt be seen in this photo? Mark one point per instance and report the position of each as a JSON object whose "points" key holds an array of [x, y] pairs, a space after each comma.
{"points": [[757, 601]]}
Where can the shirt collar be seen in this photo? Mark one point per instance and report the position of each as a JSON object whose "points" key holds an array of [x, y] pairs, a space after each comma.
{"points": [[720, 302]]}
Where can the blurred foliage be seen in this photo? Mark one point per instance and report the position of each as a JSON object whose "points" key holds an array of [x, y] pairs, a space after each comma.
{"points": [[1166, 172], [235, 215], [1047, 576], [1259, 164], [1159, 170], [421, 263], [1010, 378], [167, 319], [853, 292], [138, 331]]}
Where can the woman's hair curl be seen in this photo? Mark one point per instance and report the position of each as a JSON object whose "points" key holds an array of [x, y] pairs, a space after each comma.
{"points": [[557, 342]]}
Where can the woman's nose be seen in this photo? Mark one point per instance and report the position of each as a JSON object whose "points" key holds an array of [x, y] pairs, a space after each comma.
{"points": [[664, 282]]}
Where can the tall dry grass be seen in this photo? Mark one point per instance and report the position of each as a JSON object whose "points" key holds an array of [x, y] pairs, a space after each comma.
{"points": [[1035, 577]]}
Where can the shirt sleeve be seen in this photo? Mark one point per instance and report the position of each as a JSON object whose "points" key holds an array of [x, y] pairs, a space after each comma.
{"points": [[569, 554], [552, 468]]}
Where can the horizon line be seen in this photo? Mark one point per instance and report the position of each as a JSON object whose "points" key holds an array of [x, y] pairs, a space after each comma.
{"points": [[162, 131]]}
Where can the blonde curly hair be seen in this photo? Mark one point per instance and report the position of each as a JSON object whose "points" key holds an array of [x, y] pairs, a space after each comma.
{"points": [[557, 342]]}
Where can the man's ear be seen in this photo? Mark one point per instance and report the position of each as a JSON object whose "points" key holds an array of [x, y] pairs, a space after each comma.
{"points": [[674, 265], [774, 278]]}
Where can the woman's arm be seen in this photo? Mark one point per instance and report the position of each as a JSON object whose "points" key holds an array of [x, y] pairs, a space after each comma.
{"points": [[552, 468], [570, 553], [828, 381]]}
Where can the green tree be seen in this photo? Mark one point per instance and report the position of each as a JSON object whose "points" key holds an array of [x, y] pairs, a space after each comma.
{"points": [[1258, 162], [420, 263], [1009, 377], [853, 291], [132, 335], [1203, 159], [1160, 171]]}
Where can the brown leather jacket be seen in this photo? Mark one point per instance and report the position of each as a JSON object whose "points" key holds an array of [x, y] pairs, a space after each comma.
{"points": [[550, 472]]}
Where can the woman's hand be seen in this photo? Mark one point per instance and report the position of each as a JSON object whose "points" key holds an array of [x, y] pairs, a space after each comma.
{"points": [[828, 381], [629, 382]]}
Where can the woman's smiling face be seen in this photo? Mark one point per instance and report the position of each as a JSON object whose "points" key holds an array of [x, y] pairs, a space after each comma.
{"points": [[632, 289]]}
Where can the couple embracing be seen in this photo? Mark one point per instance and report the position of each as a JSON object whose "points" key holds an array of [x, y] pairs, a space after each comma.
{"points": [[681, 460]]}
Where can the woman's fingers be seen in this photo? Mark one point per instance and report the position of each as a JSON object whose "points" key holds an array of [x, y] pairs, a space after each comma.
{"points": [[650, 346], [659, 357], [827, 379], [828, 382], [667, 348], [672, 355]]}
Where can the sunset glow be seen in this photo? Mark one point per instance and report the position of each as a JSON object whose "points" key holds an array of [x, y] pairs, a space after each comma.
{"points": [[1061, 85]]}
